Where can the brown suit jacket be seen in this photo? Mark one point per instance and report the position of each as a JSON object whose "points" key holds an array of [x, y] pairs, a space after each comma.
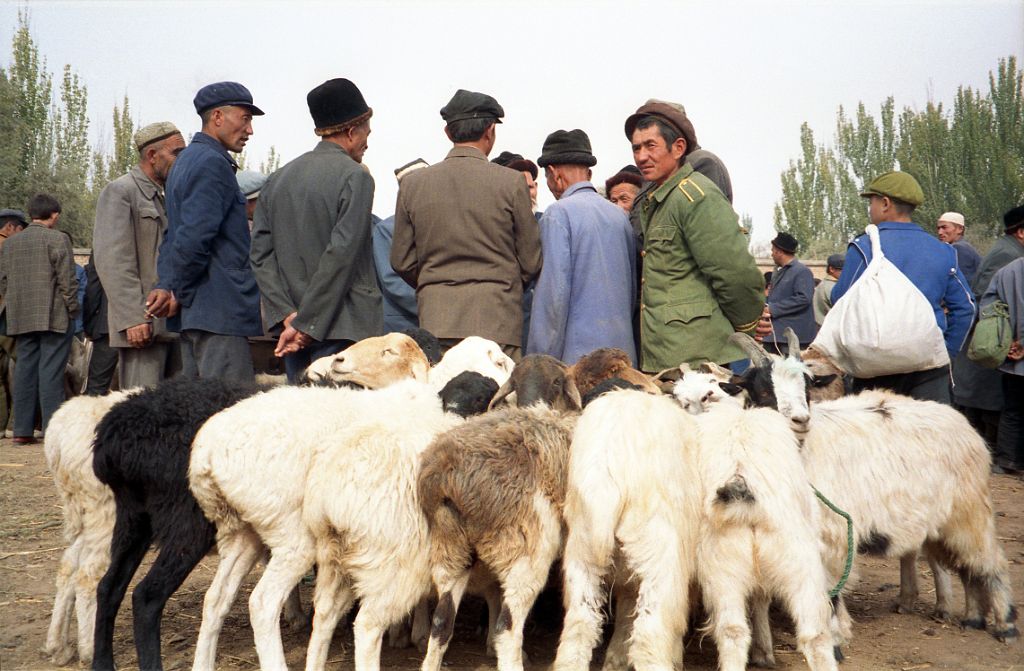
{"points": [[466, 238], [37, 280]]}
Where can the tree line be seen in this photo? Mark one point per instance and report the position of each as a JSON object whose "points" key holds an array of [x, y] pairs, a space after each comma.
{"points": [[968, 159]]}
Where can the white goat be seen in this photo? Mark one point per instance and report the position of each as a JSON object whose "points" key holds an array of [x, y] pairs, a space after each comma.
{"points": [[88, 510]]}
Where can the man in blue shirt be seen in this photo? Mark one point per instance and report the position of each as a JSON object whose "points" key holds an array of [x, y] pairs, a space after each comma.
{"points": [[203, 263], [584, 297], [789, 299], [950, 229], [928, 263], [400, 311]]}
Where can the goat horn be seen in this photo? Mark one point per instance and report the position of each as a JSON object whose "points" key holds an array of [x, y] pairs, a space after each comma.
{"points": [[750, 346], [793, 342]]}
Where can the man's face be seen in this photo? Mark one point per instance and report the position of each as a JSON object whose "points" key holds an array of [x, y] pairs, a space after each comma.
{"points": [[163, 158], [532, 185], [10, 228], [949, 232], [233, 126], [656, 161], [623, 195], [876, 209], [359, 144], [778, 256]]}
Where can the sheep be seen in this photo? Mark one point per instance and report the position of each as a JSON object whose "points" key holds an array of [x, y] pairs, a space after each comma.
{"points": [[760, 535], [398, 357], [468, 393], [632, 490], [605, 386], [344, 460], [472, 354], [427, 341], [540, 378], [823, 366], [604, 363], [696, 392], [88, 510]]}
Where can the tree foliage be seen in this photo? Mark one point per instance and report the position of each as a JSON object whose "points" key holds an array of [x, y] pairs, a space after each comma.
{"points": [[969, 159]]}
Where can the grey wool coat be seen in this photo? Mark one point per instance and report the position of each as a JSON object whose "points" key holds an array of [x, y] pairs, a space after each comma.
{"points": [[466, 238], [312, 247], [130, 225], [37, 281]]}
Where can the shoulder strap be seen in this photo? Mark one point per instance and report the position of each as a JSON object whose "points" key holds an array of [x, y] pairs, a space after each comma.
{"points": [[876, 242]]}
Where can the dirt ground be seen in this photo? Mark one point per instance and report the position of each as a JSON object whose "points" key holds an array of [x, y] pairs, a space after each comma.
{"points": [[31, 544]]}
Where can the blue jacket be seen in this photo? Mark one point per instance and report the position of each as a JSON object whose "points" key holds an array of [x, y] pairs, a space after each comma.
{"points": [[204, 256], [929, 264], [584, 296], [400, 310], [790, 303]]}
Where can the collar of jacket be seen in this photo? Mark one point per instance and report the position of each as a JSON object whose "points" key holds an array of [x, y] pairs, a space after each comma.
{"points": [[576, 188], [203, 138], [661, 193], [147, 186], [463, 151], [326, 145]]}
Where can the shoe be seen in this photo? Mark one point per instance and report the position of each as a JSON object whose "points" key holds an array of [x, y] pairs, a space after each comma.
{"points": [[24, 440]]}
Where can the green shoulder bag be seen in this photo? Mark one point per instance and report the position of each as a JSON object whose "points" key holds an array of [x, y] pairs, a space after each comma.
{"points": [[992, 336]]}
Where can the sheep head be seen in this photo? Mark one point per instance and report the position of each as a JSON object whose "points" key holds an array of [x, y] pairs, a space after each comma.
{"points": [[373, 363], [473, 354], [540, 378], [606, 363]]}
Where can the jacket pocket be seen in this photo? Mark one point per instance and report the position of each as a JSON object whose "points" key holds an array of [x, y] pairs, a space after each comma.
{"points": [[686, 312]]}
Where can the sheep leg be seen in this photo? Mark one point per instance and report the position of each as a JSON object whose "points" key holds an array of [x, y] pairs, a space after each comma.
{"points": [[421, 624], [92, 564], [908, 584], [238, 554], [762, 650], [809, 607], [492, 595], [450, 591], [172, 565], [726, 577], [943, 591], [332, 598], [662, 603], [132, 537], [294, 614], [616, 655], [58, 637], [284, 570]]}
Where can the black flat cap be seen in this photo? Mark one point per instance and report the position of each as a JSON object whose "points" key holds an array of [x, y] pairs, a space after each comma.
{"points": [[1013, 219], [567, 147], [335, 105], [224, 93], [6, 214], [836, 261], [786, 243], [471, 105]]}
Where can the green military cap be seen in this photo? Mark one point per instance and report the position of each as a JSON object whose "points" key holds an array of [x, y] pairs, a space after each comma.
{"points": [[896, 185], [154, 132], [471, 105]]}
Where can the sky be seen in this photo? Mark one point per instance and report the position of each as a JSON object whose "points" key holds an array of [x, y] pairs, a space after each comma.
{"points": [[749, 73]]}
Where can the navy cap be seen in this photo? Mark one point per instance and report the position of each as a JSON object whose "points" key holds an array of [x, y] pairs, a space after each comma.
{"points": [[836, 261], [6, 214], [224, 93]]}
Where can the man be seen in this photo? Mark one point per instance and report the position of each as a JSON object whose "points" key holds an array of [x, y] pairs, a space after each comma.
{"points": [[312, 247], [622, 188], [929, 264], [399, 298], [699, 283], [130, 225], [95, 313], [1008, 286], [950, 228], [37, 280], [822, 300], [203, 262], [465, 235], [11, 223], [250, 183], [584, 297], [1007, 248], [789, 300]]}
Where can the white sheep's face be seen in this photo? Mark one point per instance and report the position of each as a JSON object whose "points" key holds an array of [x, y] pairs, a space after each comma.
{"points": [[696, 392], [790, 379]]}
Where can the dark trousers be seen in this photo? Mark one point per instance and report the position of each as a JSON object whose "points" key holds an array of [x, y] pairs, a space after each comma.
{"points": [[205, 354], [1009, 450], [297, 362], [102, 364], [39, 376], [924, 385]]}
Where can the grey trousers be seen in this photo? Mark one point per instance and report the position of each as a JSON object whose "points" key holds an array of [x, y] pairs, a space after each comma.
{"points": [[147, 366], [39, 375], [205, 354]]}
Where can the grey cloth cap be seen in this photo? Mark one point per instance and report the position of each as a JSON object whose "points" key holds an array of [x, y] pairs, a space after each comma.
{"points": [[20, 215], [471, 105], [250, 182], [154, 132], [836, 261]]}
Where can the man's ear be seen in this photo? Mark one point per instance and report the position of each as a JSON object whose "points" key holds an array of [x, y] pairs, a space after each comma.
{"points": [[680, 146], [448, 133]]}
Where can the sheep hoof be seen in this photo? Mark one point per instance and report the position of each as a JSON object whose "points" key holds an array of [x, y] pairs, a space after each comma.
{"points": [[63, 656], [1008, 634], [300, 621], [973, 623], [903, 608], [837, 652], [421, 644], [762, 660], [943, 616]]}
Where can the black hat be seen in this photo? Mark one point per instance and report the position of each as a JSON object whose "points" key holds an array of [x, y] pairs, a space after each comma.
{"points": [[224, 93], [7, 214], [629, 174], [786, 243], [567, 147], [506, 157], [836, 261], [1013, 219], [471, 105], [336, 105]]}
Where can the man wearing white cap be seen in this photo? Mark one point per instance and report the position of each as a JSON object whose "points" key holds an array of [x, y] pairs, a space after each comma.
{"points": [[130, 225], [951, 231]]}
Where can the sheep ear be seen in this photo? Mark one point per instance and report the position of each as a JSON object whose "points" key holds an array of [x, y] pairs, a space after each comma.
{"points": [[574, 393], [793, 342], [421, 369], [750, 346], [712, 368], [730, 388], [672, 374], [822, 380], [503, 392]]}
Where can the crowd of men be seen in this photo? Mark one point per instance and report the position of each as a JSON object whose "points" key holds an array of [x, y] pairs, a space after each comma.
{"points": [[194, 257]]}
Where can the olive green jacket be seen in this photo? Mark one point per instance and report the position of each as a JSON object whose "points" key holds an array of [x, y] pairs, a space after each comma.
{"points": [[700, 284]]}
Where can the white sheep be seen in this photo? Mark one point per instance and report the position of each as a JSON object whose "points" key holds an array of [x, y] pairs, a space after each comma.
{"points": [[472, 354], [632, 488]]}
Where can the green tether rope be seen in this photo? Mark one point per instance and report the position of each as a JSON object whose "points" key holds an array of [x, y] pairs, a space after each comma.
{"points": [[849, 541]]}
